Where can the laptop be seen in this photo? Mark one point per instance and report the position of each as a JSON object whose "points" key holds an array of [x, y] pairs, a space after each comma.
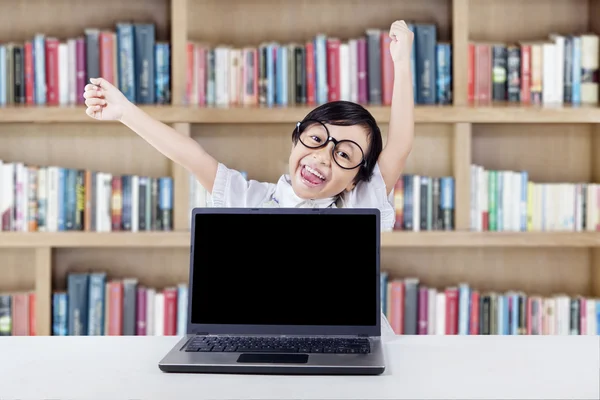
{"points": [[282, 291]]}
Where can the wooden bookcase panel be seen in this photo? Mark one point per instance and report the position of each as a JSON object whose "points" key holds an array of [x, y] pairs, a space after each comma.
{"points": [[17, 270], [242, 22], [547, 272], [549, 153], [117, 149], [21, 20], [263, 150], [517, 20], [156, 267]]}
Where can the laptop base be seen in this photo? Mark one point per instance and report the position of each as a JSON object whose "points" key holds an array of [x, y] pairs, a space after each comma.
{"points": [[180, 361]]}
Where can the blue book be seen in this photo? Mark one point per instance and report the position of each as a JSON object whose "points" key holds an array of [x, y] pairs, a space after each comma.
{"points": [[282, 76], [320, 45], [576, 78], [443, 72], [78, 291], [426, 38], [162, 75], [464, 297], [413, 71], [182, 308], [60, 314], [524, 196], [3, 73], [126, 61], [271, 74], [165, 203], [96, 303], [39, 59]]}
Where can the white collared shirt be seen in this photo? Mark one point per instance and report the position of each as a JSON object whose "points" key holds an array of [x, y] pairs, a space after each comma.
{"points": [[232, 189]]}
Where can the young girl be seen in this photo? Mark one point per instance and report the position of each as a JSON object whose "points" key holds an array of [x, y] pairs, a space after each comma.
{"points": [[337, 157]]}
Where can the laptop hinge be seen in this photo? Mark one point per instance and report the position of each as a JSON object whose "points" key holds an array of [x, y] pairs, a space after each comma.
{"points": [[202, 333], [363, 335]]}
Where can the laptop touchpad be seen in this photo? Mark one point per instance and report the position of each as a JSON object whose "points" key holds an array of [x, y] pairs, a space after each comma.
{"points": [[273, 358]]}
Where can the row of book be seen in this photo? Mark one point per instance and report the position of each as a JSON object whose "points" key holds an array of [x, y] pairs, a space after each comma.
{"points": [[94, 304], [17, 313], [505, 200], [324, 68], [424, 203], [413, 308], [556, 70], [48, 70], [37, 198]]}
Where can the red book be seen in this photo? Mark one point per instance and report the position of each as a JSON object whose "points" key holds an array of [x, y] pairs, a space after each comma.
{"points": [[20, 314], [32, 315], [387, 69], [310, 73], [525, 73], [52, 71], [361, 55], [452, 311], [115, 308], [106, 56], [29, 74], [170, 320], [471, 73], [80, 68], [397, 306], [141, 318], [200, 54], [423, 314], [474, 317], [333, 69], [483, 73]]}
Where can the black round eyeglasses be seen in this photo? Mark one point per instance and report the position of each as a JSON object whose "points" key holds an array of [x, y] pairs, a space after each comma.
{"points": [[315, 135]]}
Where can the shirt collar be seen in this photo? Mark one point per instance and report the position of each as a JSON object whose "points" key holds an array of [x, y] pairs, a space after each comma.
{"points": [[286, 197]]}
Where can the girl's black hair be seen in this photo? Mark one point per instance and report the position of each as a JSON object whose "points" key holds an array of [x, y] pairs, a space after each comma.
{"points": [[347, 113]]}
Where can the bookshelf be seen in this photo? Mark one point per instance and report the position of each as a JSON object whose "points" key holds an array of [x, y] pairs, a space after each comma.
{"points": [[554, 143]]}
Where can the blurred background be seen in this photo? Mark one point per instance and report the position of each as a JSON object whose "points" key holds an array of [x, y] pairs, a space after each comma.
{"points": [[497, 210]]}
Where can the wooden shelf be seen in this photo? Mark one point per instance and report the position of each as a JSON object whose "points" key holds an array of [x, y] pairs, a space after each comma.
{"points": [[181, 239], [496, 113]]}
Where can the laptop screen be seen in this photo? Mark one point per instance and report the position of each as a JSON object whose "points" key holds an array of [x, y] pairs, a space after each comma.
{"points": [[285, 269]]}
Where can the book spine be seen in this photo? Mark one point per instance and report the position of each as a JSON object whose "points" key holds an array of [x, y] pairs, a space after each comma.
{"points": [[374, 77]]}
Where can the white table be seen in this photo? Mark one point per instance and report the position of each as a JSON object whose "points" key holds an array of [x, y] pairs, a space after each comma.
{"points": [[419, 367]]}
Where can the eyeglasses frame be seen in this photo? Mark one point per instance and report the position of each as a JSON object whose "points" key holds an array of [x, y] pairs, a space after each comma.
{"points": [[335, 143]]}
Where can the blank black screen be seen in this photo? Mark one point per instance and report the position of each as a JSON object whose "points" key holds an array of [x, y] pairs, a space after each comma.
{"points": [[266, 269]]}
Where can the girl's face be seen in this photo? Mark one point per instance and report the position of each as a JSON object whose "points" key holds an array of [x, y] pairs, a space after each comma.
{"points": [[314, 172]]}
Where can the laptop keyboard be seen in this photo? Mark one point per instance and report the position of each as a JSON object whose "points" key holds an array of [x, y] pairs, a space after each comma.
{"points": [[278, 345]]}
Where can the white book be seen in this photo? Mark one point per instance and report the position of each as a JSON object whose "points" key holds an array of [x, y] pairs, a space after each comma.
{"points": [[63, 73], [353, 69], [52, 200], [72, 71], [159, 314], [344, 72], [135, 203], [440, 307], [431, 310], [549, 73], [150, 300], [42, 199], [591, 317], [589, 63], [416, 203], [559, 65]]}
